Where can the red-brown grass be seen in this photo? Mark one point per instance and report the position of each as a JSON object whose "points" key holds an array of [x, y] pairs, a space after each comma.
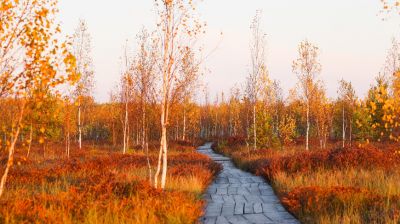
{"points": [[313, 202], [351, 185], [97, 186]]}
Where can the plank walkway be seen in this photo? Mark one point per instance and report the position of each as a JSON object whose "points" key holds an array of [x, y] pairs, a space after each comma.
{"points": [[240, 197]]}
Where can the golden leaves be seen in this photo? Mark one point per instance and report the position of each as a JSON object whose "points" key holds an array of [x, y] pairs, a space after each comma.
{"points": [[389, 5], [168, 2], [44, 61]]}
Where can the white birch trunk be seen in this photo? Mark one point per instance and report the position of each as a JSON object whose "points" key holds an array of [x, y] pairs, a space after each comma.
{"points": [[344, 129], [255, 127], [11, 151], [80, 125], [125, 125], [30, 141], [308, 125], [184, 125], [350, 132]]}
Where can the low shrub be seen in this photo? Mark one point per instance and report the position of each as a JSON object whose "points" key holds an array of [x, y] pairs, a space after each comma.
{"points": [[97, 186], [351, 185], [341, 204]]}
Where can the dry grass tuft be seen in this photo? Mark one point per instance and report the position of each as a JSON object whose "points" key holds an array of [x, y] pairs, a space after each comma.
{"points": [[353, 185], [98, 186]]}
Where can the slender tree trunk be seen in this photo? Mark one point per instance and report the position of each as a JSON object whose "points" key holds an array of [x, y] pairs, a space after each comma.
{"points": [[162, 157], [67, 144], [177, 132], [30, 141], [5, 138], [143, 127], [11, 151], [319, 133], [157, 174], [254, 127], [126, 124], [167, 64], [184, 125], [148, 163], [344, 129], [80, 125], [137, 138], [165, 158], [248, 129], [231, 126], [114, 139], [351, 132], [308, 126], [128, 137], [216, 125]]}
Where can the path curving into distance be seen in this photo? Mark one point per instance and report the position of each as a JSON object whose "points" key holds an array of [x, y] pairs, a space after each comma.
{"points": [[237, 197]]}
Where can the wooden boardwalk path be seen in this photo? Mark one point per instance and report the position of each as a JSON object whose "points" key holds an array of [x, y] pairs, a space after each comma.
{"points": [[240, 197]]}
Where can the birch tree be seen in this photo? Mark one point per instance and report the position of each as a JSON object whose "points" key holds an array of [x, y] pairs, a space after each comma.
{"points": [[323, 113], [307, 67], [347, 99], [144, 83], [258, 67], [178, 29], [126, 94], [32, 60], [234, 111], [81, 49], [392, 64], [68, 108]]}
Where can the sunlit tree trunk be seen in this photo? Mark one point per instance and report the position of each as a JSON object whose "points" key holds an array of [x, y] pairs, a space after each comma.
{"points": [[308, 126], [343, 128], [125, 124], [128, 131], [307, 67], [255, 126], [350, 132], [30, 140], [143, 126], [162, 158], [11, 151], [176, 26], [159, 161], [165, 157], [319, 133], [114, 137], [184, 125], [79, 125], [164, 124], [67, 143], [148, 163]]}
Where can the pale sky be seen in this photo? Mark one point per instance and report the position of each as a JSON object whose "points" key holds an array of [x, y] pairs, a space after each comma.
{"points": [[350, 33]]}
